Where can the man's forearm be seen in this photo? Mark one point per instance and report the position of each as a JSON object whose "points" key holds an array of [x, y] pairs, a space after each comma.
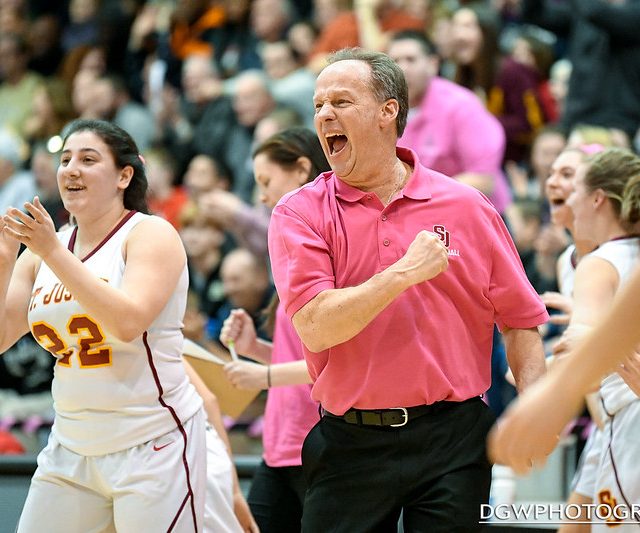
{"points": [[525, 354], [334, 316]]}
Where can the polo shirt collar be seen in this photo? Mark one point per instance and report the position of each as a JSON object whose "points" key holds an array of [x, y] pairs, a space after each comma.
{"points": [[416, 188]]}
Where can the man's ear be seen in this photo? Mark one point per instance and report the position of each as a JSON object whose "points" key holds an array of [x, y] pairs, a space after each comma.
{"points": [[389, 112]]}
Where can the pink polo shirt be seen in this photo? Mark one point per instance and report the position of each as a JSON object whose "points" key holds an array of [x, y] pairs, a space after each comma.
{"points": [[290, 412], [433, 342], [453, 132]]}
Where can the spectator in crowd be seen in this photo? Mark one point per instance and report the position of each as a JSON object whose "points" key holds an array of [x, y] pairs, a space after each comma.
{"points": [[245, 285], [252, 101], [248, 223], [604, 52], [270, 19], [43, 36], [200, 120], [52, 109], [17, 185], [237, 48], [18, 84], [448, 126], [368, 24], [206, 245], [204, 175], [559, 75], [90, 58], [527, 179], [166, 198], [83, 27], [194, 27], [301, 37], [519, 97], [44, 165], [290, 83], [474, 34]]}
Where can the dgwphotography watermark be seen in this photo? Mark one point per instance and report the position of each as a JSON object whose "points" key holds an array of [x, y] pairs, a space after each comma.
{"points": [[557, 513]]}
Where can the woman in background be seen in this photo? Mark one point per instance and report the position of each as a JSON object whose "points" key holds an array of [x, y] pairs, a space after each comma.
{"points": [[282, 163]]}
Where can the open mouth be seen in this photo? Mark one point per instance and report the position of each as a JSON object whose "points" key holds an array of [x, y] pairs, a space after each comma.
{"points": [[557, 202], [336, 143]]}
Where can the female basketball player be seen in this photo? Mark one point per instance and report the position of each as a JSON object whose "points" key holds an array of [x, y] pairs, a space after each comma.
{"points": [[606, 207], [106, 297]]}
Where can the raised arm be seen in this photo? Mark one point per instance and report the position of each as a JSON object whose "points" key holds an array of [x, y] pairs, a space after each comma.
{"points": [[337, 315], [529, 430], [146, 287], [16, 285]]}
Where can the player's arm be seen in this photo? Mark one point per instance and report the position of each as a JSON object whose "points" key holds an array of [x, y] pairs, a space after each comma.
{"points": [[247, 375], [528, 431], [337, 315], [154, 260], [16, 285]]}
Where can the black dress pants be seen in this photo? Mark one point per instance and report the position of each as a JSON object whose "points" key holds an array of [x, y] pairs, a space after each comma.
{"points": [[434, 469]]}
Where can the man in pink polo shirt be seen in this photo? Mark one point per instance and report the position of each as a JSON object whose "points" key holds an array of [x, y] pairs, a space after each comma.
{"points": [[448, 126], [394, 276]]}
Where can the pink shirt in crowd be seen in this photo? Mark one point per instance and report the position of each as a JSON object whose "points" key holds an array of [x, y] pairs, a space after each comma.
{"points": [[453, 132], [290, 412], [433, 342]]}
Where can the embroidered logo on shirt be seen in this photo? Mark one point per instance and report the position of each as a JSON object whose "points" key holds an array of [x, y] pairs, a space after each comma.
{"points": [[445, 237]]}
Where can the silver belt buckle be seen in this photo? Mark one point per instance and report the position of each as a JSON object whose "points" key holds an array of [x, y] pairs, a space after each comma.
{"points": [[406, 417]]}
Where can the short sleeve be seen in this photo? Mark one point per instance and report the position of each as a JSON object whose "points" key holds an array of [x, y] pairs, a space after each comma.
{"points": [[301, 263], [516, 303]]}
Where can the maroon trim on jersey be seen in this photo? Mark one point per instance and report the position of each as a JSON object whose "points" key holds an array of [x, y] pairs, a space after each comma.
{"points": [[171, 410], [74, 235]]}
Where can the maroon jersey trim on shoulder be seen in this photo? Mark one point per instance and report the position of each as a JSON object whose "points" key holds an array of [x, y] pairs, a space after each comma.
{"points": [[72, 240]]}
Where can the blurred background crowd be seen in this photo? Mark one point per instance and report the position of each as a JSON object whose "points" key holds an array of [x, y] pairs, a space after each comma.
{"points": [[200, 83]]}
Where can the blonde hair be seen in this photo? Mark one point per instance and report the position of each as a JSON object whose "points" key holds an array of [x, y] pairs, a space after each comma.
{"points": [[616, 172]]}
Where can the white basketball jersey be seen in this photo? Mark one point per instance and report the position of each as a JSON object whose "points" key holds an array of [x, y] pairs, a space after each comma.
{"points": [[111, 395], [566, 270], [623, 254]]}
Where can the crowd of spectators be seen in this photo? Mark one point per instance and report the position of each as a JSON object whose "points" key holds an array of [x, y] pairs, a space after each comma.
{"points": [[200, 83]]}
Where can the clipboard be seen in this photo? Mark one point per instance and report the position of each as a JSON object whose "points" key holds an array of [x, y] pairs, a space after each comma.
{"points": [[208, 365]]}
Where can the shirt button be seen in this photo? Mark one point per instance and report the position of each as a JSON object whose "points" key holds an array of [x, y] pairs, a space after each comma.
{"points": [[386, 242], [368, 197], [383, 217]]}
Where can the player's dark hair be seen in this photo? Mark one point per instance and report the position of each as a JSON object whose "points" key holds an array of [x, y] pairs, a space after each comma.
{"points": [[125, 153], [284, 149], [287, 146]]}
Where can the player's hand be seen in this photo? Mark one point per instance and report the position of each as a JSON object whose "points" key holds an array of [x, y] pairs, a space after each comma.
{"points": [[243, 513], [559, 301], [246, 375], [528, 431], [425, 258], [239, 328], [34, 229], [9, 245]]}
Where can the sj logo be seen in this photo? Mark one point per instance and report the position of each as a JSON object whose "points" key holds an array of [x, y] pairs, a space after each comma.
{"points": [[442, 232]]}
